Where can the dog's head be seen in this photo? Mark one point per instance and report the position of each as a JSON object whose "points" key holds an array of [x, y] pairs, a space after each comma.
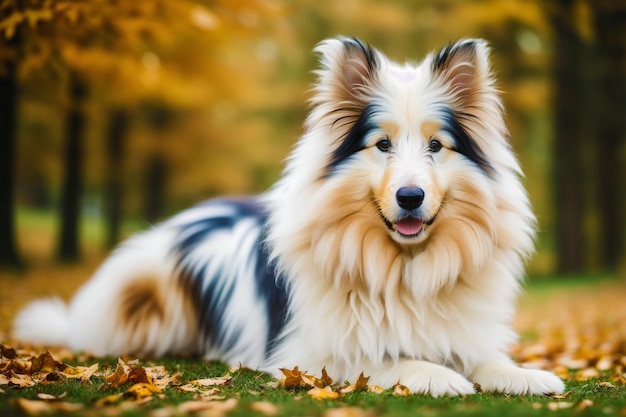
{"points": [[409, 131]]}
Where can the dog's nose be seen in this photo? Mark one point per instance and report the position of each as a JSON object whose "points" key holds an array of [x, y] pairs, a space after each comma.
{"points": [[410, 198]]}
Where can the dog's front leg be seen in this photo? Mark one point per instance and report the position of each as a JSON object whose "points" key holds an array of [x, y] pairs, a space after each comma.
{"points": [[421, 377], [508, 378]]}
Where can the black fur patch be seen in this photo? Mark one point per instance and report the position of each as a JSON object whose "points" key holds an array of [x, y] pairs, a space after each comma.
{"points": [[354, 140], [211, 286], [447, 53], [463, 142]]}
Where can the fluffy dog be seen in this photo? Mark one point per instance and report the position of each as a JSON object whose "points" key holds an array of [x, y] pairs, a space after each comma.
{"points": [[392, 245]]}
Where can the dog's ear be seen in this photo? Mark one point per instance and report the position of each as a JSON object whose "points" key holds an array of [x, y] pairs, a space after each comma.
{"points": [[463, 68], [348, 70]]}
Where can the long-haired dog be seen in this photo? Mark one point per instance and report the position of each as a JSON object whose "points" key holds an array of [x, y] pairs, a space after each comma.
{"points": [[392, 245]]}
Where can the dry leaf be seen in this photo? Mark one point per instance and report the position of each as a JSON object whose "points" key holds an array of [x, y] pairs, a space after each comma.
{"points": [[562, 396], [359, 385], [265, 408], [400, 390], [217, 408], [323, 393], [209, 382], [34, 407], [555, 406], [376, 389], [325, 380], [584, 404], [50, 397], [20, 380], [348, 412], [120, 376]]}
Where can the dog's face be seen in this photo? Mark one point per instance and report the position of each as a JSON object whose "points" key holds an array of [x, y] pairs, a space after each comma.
{"points": [[406, 135]]}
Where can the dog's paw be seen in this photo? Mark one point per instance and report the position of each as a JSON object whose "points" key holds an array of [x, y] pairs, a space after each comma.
{"points": [[434, 380], [510, 379]]}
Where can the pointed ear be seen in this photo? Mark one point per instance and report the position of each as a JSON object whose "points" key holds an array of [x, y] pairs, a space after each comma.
{"points": [[463, 68], [348, 69]]}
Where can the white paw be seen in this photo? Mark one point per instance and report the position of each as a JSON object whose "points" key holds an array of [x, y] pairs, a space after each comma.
{"points": [[510, 379], [437, 381]]}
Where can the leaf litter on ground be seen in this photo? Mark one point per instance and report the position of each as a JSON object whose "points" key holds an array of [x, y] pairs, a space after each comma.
{"points": [[582, 339]]}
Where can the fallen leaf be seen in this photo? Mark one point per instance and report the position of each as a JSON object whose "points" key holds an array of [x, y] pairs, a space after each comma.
{"points": [[325, 380], [264, 407], [34, 407], [20, 380], [209, 382], [561, 405], [359, 385], [216, 408], [44, 363], [583, 404], [120, 376], [140, 391], [348, 412], [50, 397], [561, 396], [323, 393], [376, 389], [400, 390]]}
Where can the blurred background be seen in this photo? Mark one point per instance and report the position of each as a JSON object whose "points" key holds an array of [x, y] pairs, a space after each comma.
{"points": [[115, 114]]}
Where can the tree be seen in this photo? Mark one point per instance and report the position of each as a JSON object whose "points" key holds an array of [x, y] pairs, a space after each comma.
{"points": [[610, 133], [117, 131], [8, 117], [571, 100], [75, 124]]}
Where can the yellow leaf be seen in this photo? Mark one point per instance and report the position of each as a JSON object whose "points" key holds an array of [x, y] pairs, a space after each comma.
{"points": [[208, 382], [376, 389], [325, 380], [561, 396], [21, 380], [400, 390], [211, 407], [120, 376], [34, 407], [555, 406], [140, 391], [50, 397], [264, 407], [323, 394], [108, 400]]}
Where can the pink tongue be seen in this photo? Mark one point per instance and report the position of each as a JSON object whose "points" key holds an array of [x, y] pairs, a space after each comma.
{"points": [[409, 226]]}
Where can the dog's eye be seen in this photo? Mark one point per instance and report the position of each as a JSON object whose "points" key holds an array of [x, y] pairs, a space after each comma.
{"points": [[434, 145], [384, 145]]}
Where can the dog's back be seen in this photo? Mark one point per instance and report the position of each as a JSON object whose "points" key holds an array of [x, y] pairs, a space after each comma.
{"points": [[198, 283]]}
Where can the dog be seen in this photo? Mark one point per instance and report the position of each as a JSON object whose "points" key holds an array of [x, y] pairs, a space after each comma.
{"points": [[393, 244]]}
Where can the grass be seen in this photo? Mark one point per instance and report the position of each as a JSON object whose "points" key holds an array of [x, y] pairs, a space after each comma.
{"points": [[249, 387]]}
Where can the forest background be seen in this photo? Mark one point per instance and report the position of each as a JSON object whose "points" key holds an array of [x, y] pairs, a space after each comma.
{"points": [[115, 114]]}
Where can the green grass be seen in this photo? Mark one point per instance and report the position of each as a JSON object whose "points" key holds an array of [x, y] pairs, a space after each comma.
{"points": [[248, 386]]}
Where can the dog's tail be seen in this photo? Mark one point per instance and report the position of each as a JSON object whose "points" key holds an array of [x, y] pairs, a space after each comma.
{"points": [[134, 304], [43, 322]]}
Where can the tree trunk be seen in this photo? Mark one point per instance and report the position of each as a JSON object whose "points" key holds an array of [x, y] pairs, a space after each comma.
{"points": [[610, 29], [572, 118], [68, 249], [117, 131], [8, 127], [155, 188]]}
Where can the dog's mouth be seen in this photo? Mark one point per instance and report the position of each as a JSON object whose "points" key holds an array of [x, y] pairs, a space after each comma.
{"points": [[409, 226]]}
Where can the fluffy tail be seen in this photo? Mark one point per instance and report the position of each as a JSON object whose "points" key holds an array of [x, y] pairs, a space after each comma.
{"points": [[43, 322]]}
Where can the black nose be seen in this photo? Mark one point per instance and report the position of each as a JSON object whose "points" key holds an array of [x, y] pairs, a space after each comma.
{"points": [[410, 198]]}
